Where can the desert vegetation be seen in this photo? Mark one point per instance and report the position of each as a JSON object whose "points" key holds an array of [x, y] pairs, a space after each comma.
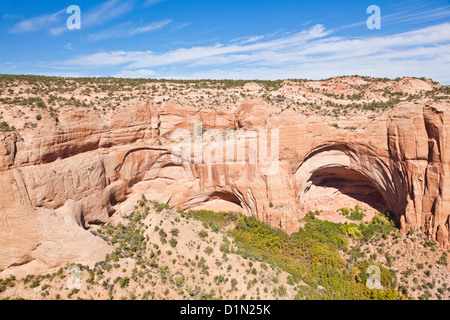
{"points": [[165, 254], [162, 253], [27, 98]]}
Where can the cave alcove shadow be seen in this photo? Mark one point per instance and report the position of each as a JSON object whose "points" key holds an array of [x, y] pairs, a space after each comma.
{"points": [[351, 183]]}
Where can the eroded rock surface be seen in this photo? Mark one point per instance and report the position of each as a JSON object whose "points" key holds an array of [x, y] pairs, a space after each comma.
{"points": [[70, 174]]}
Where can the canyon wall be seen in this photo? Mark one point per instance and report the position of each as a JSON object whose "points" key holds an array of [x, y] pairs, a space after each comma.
{"points": [[72, 173]]}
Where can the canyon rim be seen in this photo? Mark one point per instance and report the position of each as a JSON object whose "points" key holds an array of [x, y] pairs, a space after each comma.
{"points": [[82, 159]]}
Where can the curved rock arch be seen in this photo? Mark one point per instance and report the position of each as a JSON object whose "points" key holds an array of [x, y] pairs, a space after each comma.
{"points": [[352, 158], [151, 164]]}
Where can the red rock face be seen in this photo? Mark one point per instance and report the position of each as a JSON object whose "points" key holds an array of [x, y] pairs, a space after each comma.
{"points": [[66, 176]]}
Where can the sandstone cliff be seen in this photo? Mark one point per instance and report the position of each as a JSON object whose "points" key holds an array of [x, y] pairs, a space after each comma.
{"points": [[75, 171]]}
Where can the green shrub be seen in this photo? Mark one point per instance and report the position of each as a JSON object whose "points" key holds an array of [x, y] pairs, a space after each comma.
{"points": [[124, 282], [35, 283], [4, 126], [312, 215], [160, 206], [443, 259], [173, 242], [356, 213], [71, 293], [282, 290], [203, 234], [162, 233]]}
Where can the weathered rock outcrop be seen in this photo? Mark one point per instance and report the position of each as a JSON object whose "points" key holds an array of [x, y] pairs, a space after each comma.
{"points": [[68, 175]]}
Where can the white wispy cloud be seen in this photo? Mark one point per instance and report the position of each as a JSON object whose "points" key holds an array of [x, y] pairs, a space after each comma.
{"points": [[148, 3], [140, 73], [418, 16], [125, 30], [312, 53], [244, 40], [181, 26], [414, 15], [146, 59], [7, 67], [38, 23], [149, 28], [107, 11], [55, 22], [11, 16]]}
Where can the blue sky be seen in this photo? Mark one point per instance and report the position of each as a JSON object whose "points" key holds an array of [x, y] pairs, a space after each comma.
{"points": [[182, 39]]}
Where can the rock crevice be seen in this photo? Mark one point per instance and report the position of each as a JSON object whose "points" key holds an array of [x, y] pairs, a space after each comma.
{"points": [[69, 175]]}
